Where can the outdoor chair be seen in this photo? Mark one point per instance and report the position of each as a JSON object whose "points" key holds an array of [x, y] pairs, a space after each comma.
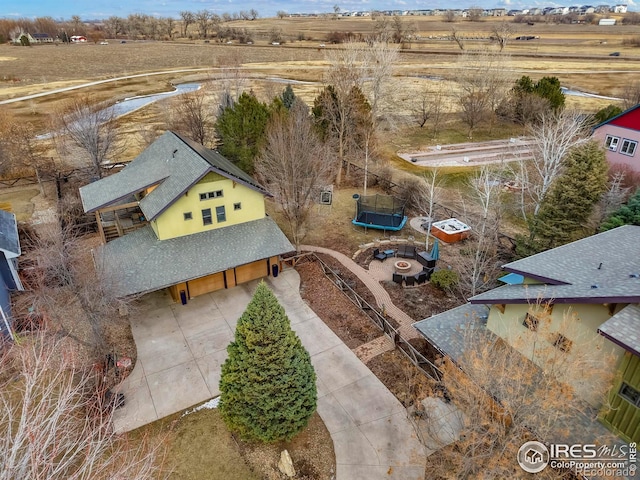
{"points": [[409, 280], [378, 255], [421, 277], [397, 278]]}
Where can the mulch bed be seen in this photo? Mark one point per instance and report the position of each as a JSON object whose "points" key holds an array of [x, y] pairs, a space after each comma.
{"points": [[345, 319]]}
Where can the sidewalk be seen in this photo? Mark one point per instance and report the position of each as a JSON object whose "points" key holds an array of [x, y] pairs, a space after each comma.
{"points": [[181, 349]]}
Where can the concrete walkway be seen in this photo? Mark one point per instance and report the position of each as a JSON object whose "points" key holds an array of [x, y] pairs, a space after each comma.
{"points": [[181, 349], [405, 322]]}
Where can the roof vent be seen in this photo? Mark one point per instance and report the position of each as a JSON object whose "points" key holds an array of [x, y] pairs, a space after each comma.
{"points": [[634, 275], [594, 286], [174, 153]]}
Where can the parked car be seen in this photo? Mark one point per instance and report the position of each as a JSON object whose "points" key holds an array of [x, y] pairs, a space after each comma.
{"points": [[104, 42]]}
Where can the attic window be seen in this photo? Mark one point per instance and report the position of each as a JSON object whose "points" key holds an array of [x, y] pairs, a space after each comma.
{"points": [[188, 216], [562, 343], [208, 195]]}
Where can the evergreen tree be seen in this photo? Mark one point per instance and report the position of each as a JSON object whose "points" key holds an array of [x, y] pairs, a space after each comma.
{"points": [[566, 209], [241, 130], [549, 88], [268, 385], [528, 100], [628, 214], [288, 97], [606, 113]]}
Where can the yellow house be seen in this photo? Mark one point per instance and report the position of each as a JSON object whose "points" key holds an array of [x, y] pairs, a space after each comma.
{"points": [[183, 217], [587, 293]]}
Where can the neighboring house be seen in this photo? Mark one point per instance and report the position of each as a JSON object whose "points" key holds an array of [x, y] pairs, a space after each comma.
{"points": [[597, 279], [182, 217], [620, 136], [42, 38], [9, 279]]}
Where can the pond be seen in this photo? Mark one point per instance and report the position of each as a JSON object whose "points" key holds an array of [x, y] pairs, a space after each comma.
{"points": [[129, 105]]}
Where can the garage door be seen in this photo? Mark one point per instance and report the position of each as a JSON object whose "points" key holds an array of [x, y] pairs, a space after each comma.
{"points": [[251, 271], [207, 284]]}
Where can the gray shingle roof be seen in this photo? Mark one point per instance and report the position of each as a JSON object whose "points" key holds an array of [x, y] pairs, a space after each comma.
{"points": [[597, 269], [446, 330], [9, 241], [140, 263], [171, 162], [624, 328]]}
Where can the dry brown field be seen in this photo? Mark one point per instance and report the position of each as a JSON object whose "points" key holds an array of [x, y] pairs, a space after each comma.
{"points": [[577, 54]]}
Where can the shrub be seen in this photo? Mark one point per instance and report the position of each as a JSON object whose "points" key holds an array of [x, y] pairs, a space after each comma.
{"points": [[444, 279]]}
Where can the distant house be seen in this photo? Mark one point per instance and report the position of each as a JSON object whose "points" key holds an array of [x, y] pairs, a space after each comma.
{"points": [[9, 279], [620, 8], [597, 279], [620, 136], [184, 218], [42, 38]]}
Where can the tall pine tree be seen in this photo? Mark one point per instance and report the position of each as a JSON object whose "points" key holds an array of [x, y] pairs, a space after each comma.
{"points": [[565, 211], [268, 385], [241, 130]]}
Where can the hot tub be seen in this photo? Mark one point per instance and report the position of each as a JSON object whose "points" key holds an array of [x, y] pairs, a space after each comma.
{"points": [[450, 230]]}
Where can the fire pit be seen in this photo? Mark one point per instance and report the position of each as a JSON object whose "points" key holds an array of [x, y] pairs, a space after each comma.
{"points": [[402, 266]]}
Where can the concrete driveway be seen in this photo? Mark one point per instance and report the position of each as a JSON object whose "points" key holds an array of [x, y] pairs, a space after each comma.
{"points": [[181, 349]]}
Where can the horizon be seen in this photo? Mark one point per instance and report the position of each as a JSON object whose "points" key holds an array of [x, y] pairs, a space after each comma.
{"points": [[102, 9]]}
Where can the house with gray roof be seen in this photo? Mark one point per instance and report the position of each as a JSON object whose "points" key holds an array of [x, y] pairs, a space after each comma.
{"points": [[9, 279], [581, 296], [182, 217]]}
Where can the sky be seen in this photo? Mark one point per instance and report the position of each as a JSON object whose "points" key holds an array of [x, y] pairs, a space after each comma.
{"points": [[99, 9]]}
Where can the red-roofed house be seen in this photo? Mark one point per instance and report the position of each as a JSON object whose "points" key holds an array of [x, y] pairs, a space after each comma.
{"points": [[620, 136]]}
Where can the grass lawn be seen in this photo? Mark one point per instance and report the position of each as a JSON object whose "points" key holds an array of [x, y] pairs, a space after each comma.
{"points": [[199, 447]]}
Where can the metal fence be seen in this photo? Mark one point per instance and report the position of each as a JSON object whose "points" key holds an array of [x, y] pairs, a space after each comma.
{"points": [[418, 359]]}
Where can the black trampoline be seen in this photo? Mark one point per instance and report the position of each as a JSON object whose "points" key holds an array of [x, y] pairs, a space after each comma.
{"points": [[382, 212]]}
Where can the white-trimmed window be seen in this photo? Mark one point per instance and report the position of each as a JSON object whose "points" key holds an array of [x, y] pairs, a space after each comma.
{"points": [[628, 147], [611, 143]]}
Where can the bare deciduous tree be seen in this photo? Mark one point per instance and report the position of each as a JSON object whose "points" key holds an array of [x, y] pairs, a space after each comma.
{"points": [[294, 165], [480, 265], [631, 95], [203, 19], [188, 18], [511, 393], [66, 280], [484, 84], [457, 37], [430, 191], [553, 137], [57, 422], [501, 34], [91, 127], [192, 116]]}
